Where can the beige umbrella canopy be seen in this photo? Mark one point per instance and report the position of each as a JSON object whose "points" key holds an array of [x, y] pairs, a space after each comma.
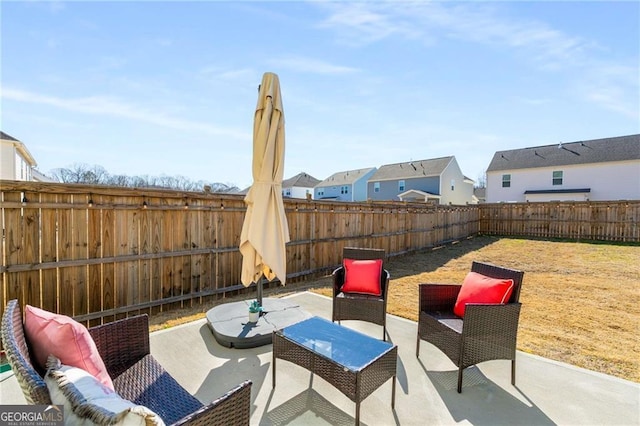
{"points": [[265, 230]]}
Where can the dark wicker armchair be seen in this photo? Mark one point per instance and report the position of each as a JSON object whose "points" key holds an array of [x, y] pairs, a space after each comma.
{"points": [[362, 307], [487, 332], [137, 376]]}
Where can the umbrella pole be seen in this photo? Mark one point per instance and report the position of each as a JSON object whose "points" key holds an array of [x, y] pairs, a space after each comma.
{"points": [[259, 286]]}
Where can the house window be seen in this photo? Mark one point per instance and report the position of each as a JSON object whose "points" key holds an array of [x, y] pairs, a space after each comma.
{"points": [[344, 189], [320, 192], [453, 184], [376, 187], [506, 181], [557, 177], [21, 168], [400, 185]]}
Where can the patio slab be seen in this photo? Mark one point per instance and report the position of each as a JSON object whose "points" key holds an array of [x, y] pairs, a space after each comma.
{"points": [[546, 392]]}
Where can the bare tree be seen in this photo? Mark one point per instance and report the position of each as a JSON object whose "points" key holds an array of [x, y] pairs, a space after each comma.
{"points": [[81, 173], [482, 181], [97, 175]]}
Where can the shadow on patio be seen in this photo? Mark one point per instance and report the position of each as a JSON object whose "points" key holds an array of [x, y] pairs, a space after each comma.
{"points": [[547, 392]]}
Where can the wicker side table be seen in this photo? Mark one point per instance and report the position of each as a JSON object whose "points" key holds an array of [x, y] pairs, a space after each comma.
{"points": [[352, 362]]}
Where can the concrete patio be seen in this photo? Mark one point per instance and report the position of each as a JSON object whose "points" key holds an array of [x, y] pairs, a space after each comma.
{"points": [[546, 392]]}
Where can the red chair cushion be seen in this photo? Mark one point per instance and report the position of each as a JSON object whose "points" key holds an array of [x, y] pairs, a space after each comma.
{"points": [[478, 288], [362, 276]]}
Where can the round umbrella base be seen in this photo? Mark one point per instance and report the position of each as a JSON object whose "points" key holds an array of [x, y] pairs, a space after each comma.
{"points": [[230, 324]]}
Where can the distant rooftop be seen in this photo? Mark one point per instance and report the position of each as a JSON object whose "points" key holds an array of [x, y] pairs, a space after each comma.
{"points": [[412, 169], [301, 180], [345, 178], [7, 137], [621, 148]]}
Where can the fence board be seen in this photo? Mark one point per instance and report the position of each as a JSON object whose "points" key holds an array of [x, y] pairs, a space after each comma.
{"points": [[144, 267], [48, 249], [94, 251], [80, 250], [30, 252], [167, 264], [156, 218], [65, 252], [108, 244], [13, 242]]}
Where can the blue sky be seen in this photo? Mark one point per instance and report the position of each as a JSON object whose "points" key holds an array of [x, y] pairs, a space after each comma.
{"points": [[170, 88]]}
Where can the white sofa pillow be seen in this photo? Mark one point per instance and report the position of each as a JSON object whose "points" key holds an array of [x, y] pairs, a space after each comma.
{"points": [[88, 402]]}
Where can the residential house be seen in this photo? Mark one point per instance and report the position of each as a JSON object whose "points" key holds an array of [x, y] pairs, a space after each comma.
{"points": [[344, 186], [599, 169], [479, 195], [16, 162], [438, 180], [299, 186]]}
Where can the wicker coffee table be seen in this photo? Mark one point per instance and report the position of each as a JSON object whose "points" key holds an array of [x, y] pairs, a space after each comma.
{"points": [[356, 364]]}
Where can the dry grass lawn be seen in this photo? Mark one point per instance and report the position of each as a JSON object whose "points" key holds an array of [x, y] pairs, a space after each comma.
{"points": [[580, 301]]}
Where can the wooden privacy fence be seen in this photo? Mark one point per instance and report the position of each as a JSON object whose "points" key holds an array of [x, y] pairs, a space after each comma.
{"points": [[98, 253], [593, 220]]}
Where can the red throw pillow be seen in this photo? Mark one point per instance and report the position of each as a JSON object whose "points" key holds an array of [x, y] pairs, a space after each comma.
{"points": [[66, 339], [362, 276], [478, 288]]}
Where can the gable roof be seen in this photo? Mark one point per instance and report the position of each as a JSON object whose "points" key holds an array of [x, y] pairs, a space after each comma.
{"points": [[418, 194], [301, 180], [412, 169], [345, 178], [7, 137], [20, 147], [621, 148]]}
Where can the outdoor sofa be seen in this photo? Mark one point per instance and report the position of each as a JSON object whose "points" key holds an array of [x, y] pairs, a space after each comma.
{"points": [[137, 376]]}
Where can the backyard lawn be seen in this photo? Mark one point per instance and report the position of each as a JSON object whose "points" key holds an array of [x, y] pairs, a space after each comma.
{"points": [[580, 301]]}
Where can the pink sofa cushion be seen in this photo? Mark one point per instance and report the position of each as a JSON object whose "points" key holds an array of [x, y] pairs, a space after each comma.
{"points": [[66, 339], [478, 288], [362, 276]]}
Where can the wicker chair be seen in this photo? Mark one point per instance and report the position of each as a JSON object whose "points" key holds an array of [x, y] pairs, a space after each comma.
{"points": [[362, 307], [137, 376], [487, 331]]}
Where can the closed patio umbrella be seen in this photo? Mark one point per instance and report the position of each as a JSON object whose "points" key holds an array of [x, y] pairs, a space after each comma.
{"points": [[264, 234], [265, 230]]}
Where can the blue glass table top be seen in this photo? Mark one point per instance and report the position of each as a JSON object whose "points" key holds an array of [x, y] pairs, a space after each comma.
{"points": [[349, 348]]}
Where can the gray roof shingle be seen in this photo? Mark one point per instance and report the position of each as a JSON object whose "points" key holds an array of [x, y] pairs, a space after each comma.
{"points": [[300, 180], [7, 137], [621, 148], [345, 178], [412, 169]]}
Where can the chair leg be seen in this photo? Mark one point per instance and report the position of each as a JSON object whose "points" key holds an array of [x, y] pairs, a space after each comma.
{"points": [[460, 379], [418, 347], [513, 372], [384, 333]]}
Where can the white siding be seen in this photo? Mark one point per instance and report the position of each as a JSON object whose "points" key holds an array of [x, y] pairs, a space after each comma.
{"points": [[16, 162], [13, 166], [7, 161], [607, 181], [463, 191], [298, 192]]}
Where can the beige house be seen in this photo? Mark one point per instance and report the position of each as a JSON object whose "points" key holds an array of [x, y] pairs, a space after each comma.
{"points": [[16, 162]]}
